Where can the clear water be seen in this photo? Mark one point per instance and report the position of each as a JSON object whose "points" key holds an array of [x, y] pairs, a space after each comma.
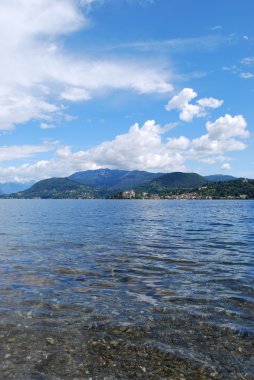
{"points": [[100, 289]]}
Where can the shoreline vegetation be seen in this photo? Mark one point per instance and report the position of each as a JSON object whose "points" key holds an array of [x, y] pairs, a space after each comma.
{"points": [[120, 184]]}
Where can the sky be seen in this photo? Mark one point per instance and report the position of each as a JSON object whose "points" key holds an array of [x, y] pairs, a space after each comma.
{"points": [[156, 85]]}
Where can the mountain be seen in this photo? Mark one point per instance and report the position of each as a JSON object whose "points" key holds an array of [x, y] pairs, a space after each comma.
{"points": [[104, 183], [171, 181], [56, 188], [108, 180], [219, 178], [13, 187]]}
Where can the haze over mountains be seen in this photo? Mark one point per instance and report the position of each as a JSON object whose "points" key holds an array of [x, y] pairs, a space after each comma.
{"points": [[13, 187], [102, 183], [220, 178]]}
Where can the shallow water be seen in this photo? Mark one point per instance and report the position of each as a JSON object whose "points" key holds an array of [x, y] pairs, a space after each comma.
{"points": [[101, 289]]}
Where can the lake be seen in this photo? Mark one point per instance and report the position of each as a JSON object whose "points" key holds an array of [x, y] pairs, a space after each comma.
{"points": [[107, 289]]}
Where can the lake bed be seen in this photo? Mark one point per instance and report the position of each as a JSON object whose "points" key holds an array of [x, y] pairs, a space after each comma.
{"points": [[111, 289]]}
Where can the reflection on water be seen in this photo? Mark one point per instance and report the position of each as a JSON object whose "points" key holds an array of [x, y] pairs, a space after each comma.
{"points": [[126, 289]]}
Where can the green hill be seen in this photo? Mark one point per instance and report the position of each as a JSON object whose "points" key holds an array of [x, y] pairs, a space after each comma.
{"points": [[56, 188], [171, 181], [239, 188]]}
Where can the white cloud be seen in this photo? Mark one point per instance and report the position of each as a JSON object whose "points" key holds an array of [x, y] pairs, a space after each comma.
{"points": [[36, 71], [246, 75], [178, 143], [188, 111], [210, 102], [24, 19], [181, 103], [75, 94], [222, 137], [47, 126], [226, 166], [248, 61], [140, 148], [143, 148], [17, 107], [227, 126], [12, 152], [205, 146], [213, 160]]}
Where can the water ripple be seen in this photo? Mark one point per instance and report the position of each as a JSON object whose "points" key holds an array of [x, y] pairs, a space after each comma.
{"points": [[111, 289]]}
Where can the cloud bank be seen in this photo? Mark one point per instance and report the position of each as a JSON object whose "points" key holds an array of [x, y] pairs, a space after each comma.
{"points": [[146, 148]]}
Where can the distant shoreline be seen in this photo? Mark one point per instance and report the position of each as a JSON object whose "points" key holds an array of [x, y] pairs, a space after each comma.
{"points": [[133, 199]]}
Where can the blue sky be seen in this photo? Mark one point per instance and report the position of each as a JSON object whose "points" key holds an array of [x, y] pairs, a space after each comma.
{"points": [[157, 85]]}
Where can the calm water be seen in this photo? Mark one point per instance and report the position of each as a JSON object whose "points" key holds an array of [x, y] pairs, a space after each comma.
{"points": [[126, 289]]}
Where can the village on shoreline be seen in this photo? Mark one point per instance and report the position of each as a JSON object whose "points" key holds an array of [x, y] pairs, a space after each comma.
{"points": [[131, 194]]}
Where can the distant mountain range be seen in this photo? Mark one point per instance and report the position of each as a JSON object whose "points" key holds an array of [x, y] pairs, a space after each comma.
{"points": [[99, 183], [103, 183], [219, 178], [13, 187]]}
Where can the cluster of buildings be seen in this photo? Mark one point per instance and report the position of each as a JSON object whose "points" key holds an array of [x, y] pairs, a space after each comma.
{"points": [[175, 196], [130, 194]]}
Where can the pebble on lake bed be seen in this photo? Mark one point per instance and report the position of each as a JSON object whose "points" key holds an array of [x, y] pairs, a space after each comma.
{"points": [[50, 340]]}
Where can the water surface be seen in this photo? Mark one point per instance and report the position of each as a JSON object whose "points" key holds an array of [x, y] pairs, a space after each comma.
{"points": [[101, 289]]}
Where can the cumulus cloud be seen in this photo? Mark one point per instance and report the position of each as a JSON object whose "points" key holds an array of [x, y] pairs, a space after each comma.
{"points": [[37, 73], [223, 136], [140, 148], [145, 147], [187, 110], [227, 126], [181, 103]]}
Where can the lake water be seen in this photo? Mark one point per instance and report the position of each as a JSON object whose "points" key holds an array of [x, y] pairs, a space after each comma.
{"points": [[101, 289]]}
